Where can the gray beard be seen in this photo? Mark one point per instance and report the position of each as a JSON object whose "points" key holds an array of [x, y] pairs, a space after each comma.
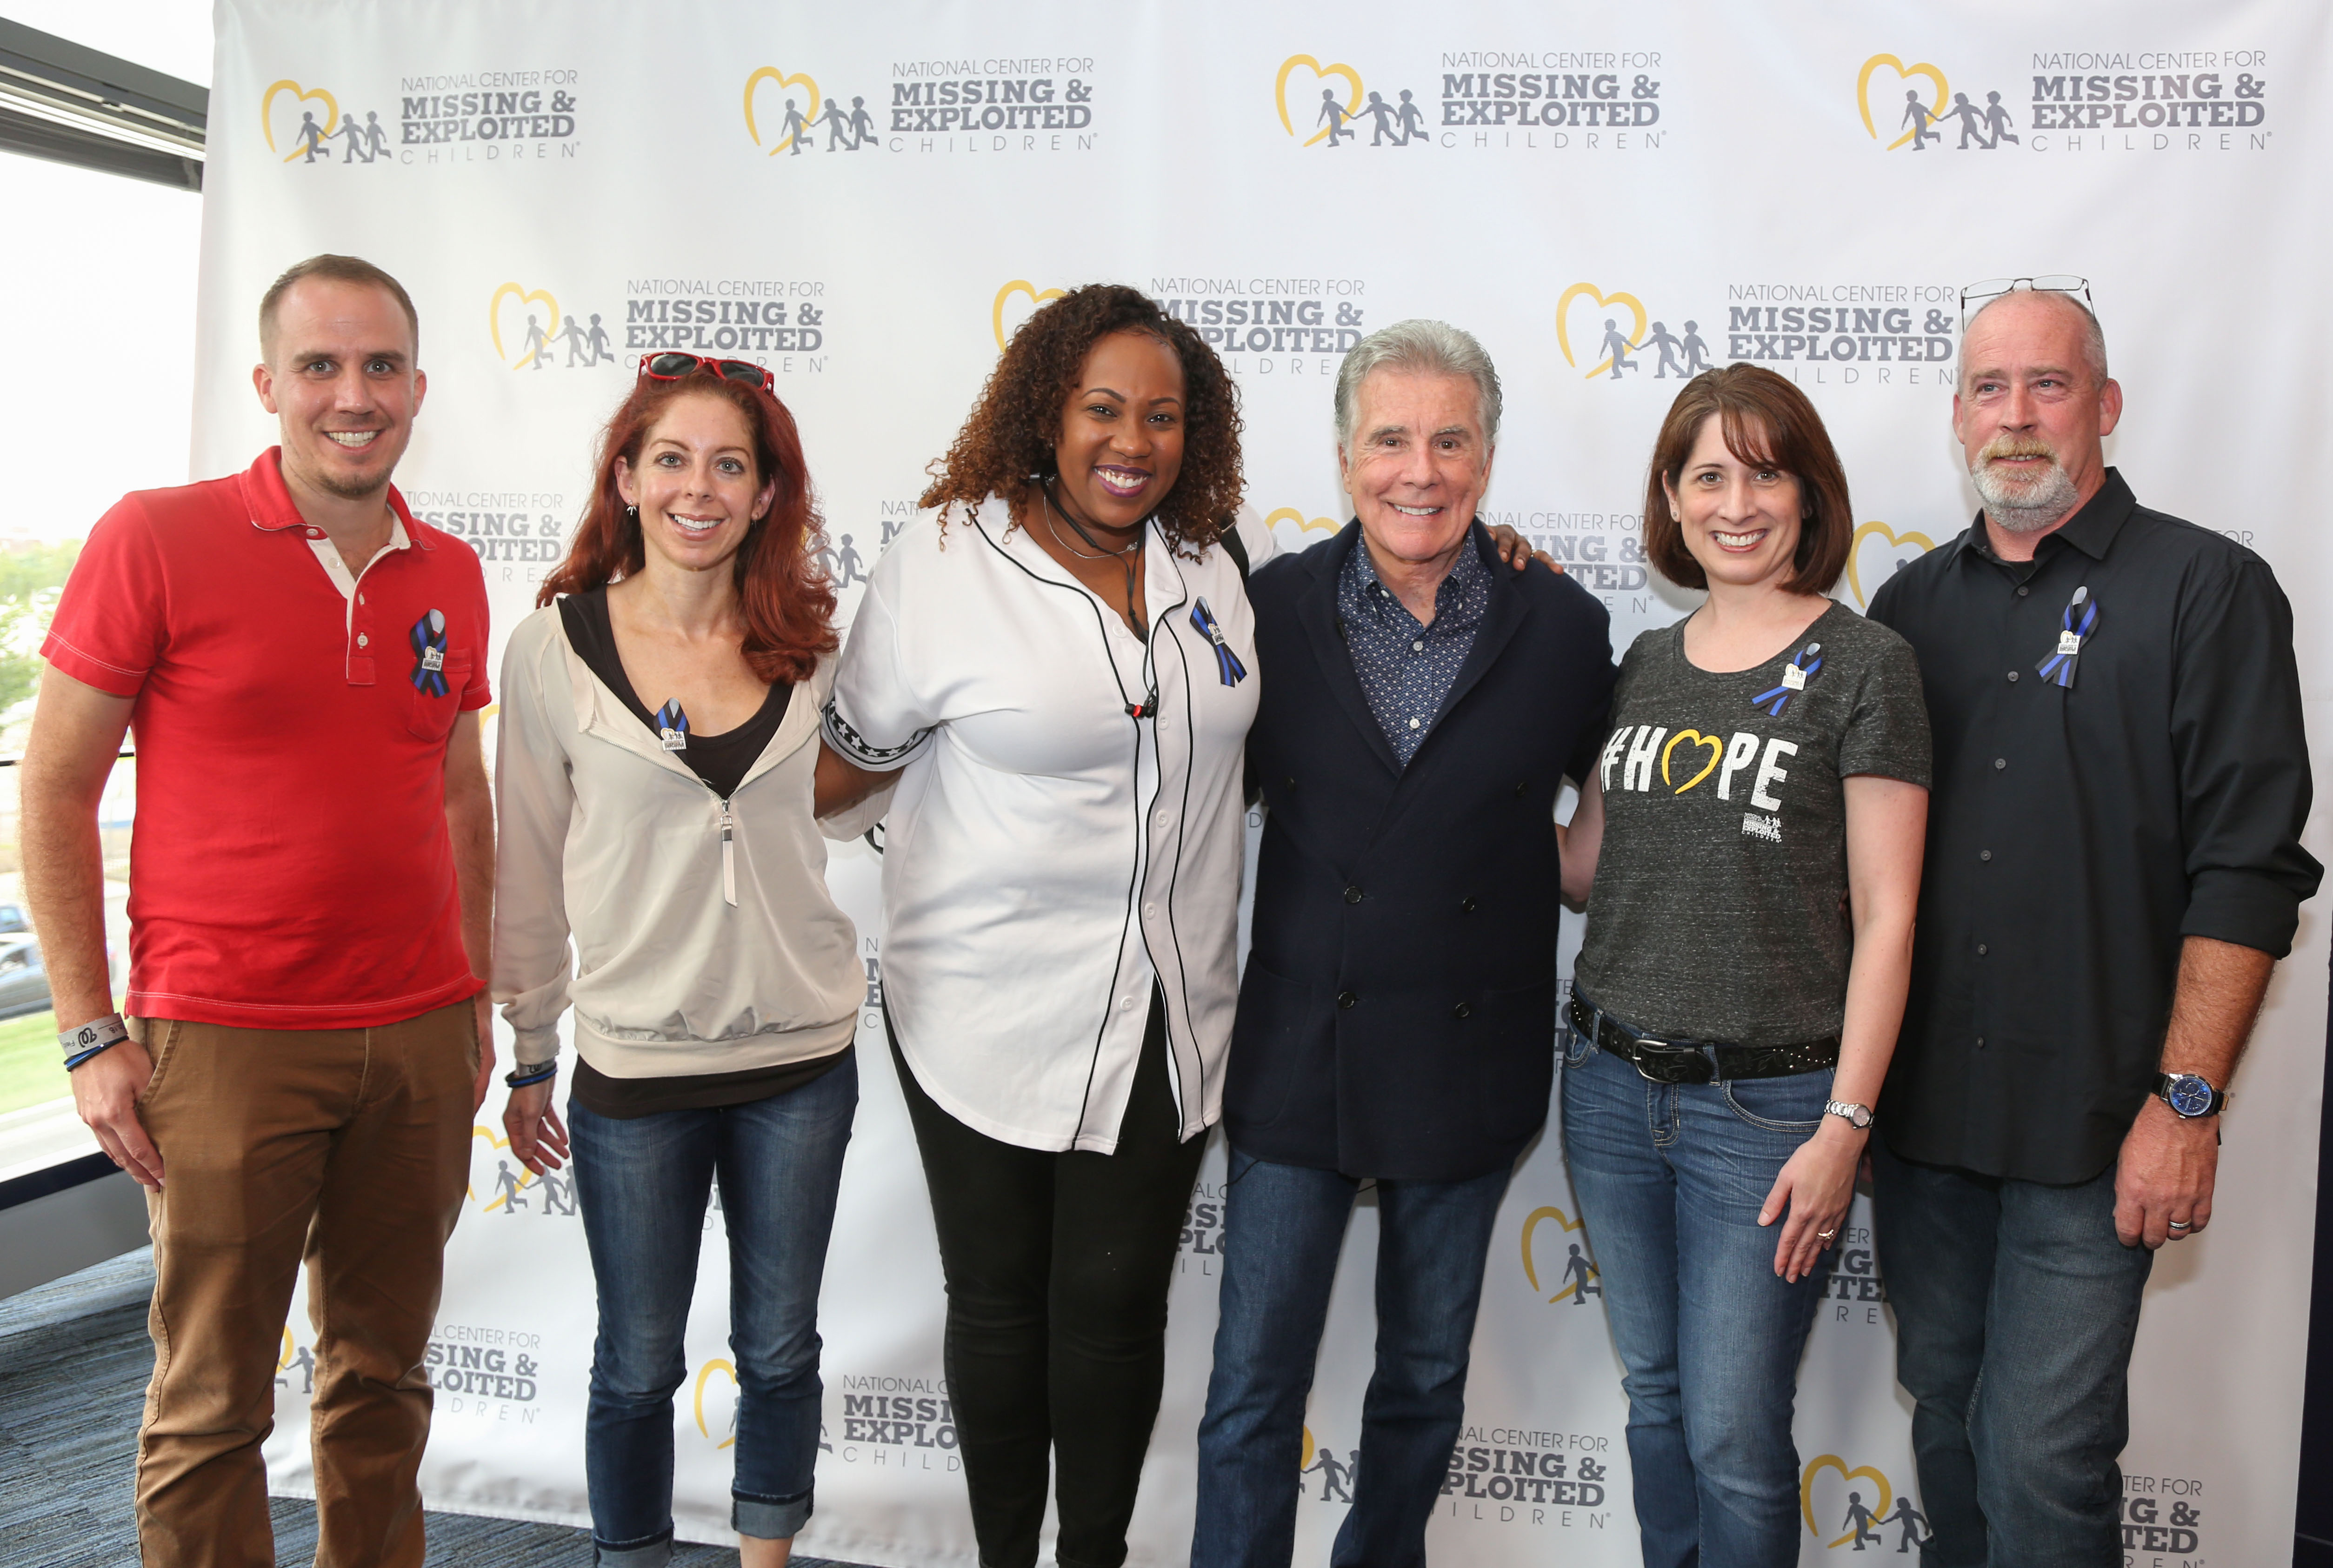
{"points": [[2025, 508]]}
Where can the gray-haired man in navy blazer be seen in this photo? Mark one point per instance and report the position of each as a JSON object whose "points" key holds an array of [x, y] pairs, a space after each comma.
{"points": [[1420, 708]]}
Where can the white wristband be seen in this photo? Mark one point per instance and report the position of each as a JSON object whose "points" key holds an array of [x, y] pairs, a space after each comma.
{"points": [[108, 1031]]}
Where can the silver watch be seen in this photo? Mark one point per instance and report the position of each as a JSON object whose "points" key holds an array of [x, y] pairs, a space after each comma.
{"points": [[1858, 1117]]}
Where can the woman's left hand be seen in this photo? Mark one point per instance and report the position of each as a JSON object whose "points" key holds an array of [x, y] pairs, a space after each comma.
{"points": [[1816, 1186]]}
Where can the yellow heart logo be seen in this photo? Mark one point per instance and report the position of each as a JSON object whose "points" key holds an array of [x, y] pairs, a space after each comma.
{"points": [[1833, 1462], [284, 1361], [705, 1375], [1307, 525], [1564, 1224], [299, 95], [1321, 74], [1017, 286], [1903, 73], [1716, 750], [1889, 551], [1307, 1463], [771, 73], [537, 341], [525, 1176], [1589, 291]]}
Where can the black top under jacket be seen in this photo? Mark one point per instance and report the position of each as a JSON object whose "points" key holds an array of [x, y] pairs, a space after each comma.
{"points": [[1397, 1018], [2077, 833]]}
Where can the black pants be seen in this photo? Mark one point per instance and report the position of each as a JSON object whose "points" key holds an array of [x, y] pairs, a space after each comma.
{"points": [[1058, 1267]]}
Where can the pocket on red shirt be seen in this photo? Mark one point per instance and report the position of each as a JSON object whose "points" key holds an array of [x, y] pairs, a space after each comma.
{"points": [[433, 717]]}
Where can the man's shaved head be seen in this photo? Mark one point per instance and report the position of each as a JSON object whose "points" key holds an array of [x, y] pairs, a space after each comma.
{"points": [[338, 269]]}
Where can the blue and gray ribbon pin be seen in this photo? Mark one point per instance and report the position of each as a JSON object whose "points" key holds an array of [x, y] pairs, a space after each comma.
{"points": [[1227, 663], [428, 636], [1801, 669], [672, 726], [2074, 628]]}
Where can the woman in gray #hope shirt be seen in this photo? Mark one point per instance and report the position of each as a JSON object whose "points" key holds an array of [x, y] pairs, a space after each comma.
{"points": [[1752, 837]]}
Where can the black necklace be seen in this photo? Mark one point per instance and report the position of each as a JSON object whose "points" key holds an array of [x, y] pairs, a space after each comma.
{"points": [[1149, 707]]}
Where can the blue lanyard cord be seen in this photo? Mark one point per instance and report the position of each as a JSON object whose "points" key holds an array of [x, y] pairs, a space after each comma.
{"points": [[2058, 667], [1806, 662]]}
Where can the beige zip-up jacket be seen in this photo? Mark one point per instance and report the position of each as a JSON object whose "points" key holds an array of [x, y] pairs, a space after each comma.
{"points": [[705, 939]]}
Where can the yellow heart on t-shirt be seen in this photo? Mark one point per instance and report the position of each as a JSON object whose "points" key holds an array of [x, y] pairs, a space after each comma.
{"points": [[1716, 750]]}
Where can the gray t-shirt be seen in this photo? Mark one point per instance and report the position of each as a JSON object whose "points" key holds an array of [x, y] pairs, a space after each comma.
{"points": [[1719, 911]]}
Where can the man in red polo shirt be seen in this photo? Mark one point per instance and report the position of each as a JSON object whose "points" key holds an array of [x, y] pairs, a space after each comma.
{"points": [[310, 873]]}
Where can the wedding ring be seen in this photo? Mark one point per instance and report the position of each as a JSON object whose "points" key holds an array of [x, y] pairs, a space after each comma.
{"points": [[1825, 1235], [2179, 1225]]}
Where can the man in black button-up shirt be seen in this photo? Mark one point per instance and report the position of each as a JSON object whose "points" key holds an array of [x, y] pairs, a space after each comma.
{"points": [[2113, 867]]}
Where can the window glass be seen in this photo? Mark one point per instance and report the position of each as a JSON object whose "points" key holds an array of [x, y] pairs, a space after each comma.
{"points": [[96, 398]]}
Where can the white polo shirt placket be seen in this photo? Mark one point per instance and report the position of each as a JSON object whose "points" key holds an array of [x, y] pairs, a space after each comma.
{"points": [[362, 635], [1048, 858]]}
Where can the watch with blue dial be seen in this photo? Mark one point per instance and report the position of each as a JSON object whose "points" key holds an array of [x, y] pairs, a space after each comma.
{"points": [[2189, 1096]]}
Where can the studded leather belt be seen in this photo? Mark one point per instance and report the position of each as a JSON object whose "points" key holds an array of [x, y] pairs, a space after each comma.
{"points": [[1697, 1061]]}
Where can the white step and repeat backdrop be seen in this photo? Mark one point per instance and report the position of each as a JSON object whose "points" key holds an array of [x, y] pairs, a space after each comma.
{"points": [[870, 199]]}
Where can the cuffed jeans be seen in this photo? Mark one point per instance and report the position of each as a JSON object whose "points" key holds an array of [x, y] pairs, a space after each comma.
{"points": [[1670, 1178], [2016, 1306], [642, 1183], [350, 1147], [1283, 1225]]}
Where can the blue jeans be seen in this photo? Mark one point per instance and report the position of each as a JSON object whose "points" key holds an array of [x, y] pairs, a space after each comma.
{"points": [[1282, 1227], [2015, 1311], [1670, 1179], [642, 1183]]}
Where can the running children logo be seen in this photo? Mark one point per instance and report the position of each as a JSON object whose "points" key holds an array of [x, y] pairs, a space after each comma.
{"points": [[1573, 1274], [2081, 101], [1336, 1472], [530, 332], [509, 1188], [1399, 122], [1860, 1499], [1878, 334], [312, 140], [295, 1367], [458, 117], [1627, 329], [785, 113]]}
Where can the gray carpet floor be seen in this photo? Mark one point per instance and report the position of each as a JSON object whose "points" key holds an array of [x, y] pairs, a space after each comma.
{"points": [[73, 1363]]}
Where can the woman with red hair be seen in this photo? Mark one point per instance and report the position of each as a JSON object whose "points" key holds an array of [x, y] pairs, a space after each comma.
{"points": [[654, 779]]}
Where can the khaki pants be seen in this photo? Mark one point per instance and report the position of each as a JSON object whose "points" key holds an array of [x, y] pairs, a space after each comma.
{"points": [[348, 1147]]}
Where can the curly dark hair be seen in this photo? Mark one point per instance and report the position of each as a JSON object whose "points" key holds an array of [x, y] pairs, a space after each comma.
{"points": [[1008, 440]]}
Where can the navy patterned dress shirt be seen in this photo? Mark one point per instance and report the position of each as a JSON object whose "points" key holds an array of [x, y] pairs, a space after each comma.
{"points": [[1406, 666]]}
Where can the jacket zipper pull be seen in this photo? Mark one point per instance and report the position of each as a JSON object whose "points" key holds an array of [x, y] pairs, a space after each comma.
{"points": [[728, 856]]}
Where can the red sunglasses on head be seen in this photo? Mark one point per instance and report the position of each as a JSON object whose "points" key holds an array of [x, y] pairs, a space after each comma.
{"points": [[672, 366]]}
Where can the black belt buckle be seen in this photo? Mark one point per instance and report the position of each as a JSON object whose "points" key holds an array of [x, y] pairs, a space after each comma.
{"points": [[1658, 1062]]}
